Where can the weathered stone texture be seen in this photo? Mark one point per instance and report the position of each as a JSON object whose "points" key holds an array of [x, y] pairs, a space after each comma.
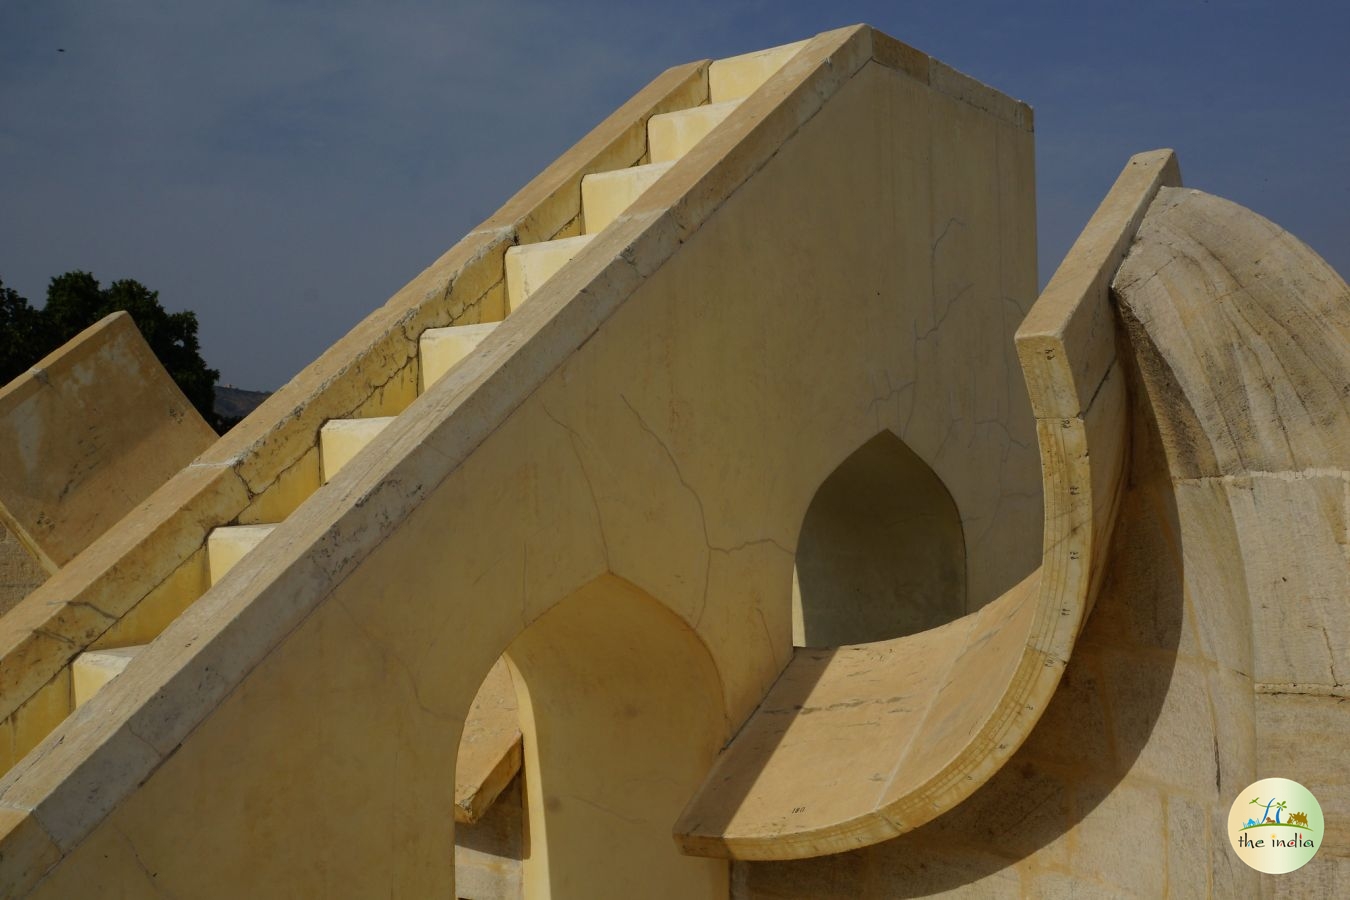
{"points": [[19, 572]]}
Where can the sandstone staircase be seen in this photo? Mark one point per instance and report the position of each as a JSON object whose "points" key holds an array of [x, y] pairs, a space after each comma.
{"points": [[490, 756]]}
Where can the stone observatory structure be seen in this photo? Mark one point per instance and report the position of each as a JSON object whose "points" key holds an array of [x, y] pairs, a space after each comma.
{"points": [[727, 517]]}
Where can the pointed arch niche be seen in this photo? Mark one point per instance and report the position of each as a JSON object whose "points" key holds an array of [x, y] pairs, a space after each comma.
{"points": [[881, 552], [620, 710]]}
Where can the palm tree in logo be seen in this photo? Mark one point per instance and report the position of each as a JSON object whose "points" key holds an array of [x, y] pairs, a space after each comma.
{"points": [[1265, 816]]}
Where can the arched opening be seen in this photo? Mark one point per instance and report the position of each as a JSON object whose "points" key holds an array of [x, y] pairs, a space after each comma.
{"points": [[491, 833], [620, 711], [881, 551]]}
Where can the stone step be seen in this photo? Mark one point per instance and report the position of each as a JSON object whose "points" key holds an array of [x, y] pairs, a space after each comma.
{"points": [[740, 76], [670, 135], [530, 265], [95, 668], [341, 439], [604, 195], [441, 348], [227, 545]]}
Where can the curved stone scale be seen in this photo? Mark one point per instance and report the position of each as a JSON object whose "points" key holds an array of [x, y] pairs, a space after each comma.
{"points": [[858, 744]]}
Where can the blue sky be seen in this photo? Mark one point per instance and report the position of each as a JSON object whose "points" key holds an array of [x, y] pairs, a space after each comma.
{"points": [[283, 167]]}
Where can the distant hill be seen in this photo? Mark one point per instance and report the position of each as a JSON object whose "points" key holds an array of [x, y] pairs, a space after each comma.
{"points": [[233, 403]]}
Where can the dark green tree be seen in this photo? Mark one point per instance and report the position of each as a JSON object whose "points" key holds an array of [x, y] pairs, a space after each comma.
{"points": [[75, 301], [22, 330]]}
